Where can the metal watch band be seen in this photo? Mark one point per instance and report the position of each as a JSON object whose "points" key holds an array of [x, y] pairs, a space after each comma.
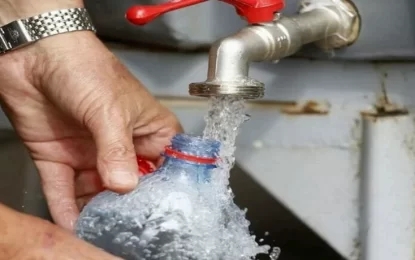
{"points": [[22, 32]]}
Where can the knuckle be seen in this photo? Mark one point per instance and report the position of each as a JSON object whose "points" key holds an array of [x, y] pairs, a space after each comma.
{"points": [[56, 185], [108, 111], [118, 152], [61, 205], [92, 108]]}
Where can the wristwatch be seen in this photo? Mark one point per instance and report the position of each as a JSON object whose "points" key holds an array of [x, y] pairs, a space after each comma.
{"points": [[22, 32]]}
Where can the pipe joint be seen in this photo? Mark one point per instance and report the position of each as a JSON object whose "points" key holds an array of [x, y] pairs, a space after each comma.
{"points": [[347, 16]]}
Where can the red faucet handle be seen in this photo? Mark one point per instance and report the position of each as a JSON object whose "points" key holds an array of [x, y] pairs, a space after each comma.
{"points": [[254, 11], [142, 14], [257, 11]]}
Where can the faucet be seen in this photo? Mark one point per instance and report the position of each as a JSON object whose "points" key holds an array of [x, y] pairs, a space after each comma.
{"points": [[270, 36]]}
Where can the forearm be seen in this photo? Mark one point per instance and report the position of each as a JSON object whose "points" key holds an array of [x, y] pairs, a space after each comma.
{"points": [[10, 232], [26, 237], [21, 234], [11, 10]]}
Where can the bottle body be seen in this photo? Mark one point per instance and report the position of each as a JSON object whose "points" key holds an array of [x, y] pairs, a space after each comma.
{"points": [[157, 219]]}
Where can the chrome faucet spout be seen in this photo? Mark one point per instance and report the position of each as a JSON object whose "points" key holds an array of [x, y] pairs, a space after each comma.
{"points": [[329, 26]]}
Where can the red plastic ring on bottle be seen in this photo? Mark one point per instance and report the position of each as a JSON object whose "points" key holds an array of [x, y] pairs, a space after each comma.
{"points": [[191, 158]]}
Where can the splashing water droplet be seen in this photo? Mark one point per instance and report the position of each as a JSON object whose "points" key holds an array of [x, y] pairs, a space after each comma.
{"points": [[275, 253]]}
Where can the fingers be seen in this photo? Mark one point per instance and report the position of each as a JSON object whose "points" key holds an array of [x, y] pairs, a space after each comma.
{"points": [[87, 183], [58, 186], [79, 153], [116, 162], [150, 145]]}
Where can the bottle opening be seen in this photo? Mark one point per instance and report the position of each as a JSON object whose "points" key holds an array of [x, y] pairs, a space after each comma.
{"points": [[193, 149]]}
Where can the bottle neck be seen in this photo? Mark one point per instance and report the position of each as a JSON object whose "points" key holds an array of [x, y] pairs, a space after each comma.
{"points": [[190, 156], [199, 173]]}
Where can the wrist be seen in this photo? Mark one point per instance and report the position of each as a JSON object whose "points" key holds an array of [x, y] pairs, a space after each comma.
{"points": [[11, 10], [25, 61]]}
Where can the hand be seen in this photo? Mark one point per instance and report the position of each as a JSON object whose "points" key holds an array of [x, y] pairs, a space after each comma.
{"points": [[25, 237], [82, 115]]}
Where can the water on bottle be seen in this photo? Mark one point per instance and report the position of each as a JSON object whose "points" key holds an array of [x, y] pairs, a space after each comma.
{"points": [[195, 222]]}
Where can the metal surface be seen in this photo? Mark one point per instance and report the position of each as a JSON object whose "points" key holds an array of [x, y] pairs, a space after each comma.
{"points": [[22, 32], [348, 23], [229, 59], [388, 191]]}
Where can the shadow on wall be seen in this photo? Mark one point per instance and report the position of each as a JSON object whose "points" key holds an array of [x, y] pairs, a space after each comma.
{"points": [[20, 189]]}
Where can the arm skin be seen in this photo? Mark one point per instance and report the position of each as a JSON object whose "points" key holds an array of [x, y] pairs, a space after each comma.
{"points": [[24, 237], [83, 118]]}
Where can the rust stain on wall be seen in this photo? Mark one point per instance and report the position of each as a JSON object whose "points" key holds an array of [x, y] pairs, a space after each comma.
{"points": [[384, 107], [388, 110], [310, 107], [288, 107]]}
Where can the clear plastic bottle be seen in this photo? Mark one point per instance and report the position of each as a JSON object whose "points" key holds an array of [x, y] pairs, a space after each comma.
{"points": [[155, 220]]}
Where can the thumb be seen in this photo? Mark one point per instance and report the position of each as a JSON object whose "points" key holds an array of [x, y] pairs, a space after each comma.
{"points": [[116, 158]]}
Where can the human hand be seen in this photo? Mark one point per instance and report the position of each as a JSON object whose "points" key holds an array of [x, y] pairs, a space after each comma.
{"points": [[26, 237], [83, 117]]}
